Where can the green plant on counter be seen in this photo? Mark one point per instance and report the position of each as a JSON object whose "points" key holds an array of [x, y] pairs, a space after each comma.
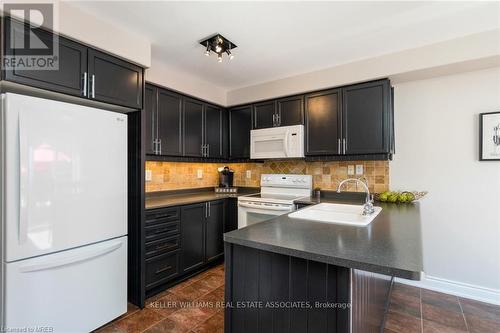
{"points": [[399, 197]]}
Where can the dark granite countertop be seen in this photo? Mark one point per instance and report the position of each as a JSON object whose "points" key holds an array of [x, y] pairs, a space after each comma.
{"points": [[185, 197], [391, 244]]}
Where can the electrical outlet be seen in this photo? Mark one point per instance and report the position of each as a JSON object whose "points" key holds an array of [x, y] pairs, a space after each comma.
{"points": [[249, 174], [149, 175], [350, 170], [359, 169], [199, 173]]}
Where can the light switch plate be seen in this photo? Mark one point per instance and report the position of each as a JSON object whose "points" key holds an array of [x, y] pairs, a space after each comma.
{"points": [[149, 175], [249, 174], [359, 169], [199, 173], [350, 170]]}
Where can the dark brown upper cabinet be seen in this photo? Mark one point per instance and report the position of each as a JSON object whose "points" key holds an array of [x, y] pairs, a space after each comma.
{"points": [[150, 111], [323, 123], [202, 129], [265, 115], [282, 112], [214, 131], [82, 71], [240, 124], [177, 125], [169, 123], [291, 111], [67, 79], [352, 120], [367, 118], [193, 133], [114, 81], [163, 113]]}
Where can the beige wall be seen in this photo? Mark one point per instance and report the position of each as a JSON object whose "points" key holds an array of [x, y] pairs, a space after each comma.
{"points": [[326, 175], [172, 78], [124, 43], [437, 131], [481, 49], [72, 22]]}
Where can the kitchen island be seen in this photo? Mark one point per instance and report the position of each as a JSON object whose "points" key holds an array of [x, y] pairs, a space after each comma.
{"points": [[294, 275]]}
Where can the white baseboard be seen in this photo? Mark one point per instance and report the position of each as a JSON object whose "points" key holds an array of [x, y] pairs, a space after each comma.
{"points": [[461, 289]]}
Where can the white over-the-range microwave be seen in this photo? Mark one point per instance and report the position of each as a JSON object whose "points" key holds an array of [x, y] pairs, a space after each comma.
{"points": [[277, 142]]}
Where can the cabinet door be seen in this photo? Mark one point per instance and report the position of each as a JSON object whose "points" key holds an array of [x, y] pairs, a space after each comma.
{"points": [[150, 108], [114, 81], [323, 123], [193, 236], [213, 131], [291, 111], [225, 133], [193, 127], [169, 123], [367, 118], [67, 79], [215, 230], [231, 219], [264, 115], [240, 124]]}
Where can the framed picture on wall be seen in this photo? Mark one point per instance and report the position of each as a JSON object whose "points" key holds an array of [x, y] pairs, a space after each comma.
{"points": [[489, 136]]}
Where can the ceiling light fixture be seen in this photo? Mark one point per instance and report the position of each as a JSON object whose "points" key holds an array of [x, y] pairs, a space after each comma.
{"points": [[219, 45], [207, 52]]}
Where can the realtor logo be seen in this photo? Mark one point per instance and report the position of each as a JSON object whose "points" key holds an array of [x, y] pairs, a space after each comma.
{"points": [[30, 45]]}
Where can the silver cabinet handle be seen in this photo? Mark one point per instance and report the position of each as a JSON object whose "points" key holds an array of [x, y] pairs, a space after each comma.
{"points": [[161, 270], [274, 120], [84, 88], [155, 142], [344, 142], [159, 147], [278, 119], [209, 209], [93, 86], [208, 150], [338, 146]]}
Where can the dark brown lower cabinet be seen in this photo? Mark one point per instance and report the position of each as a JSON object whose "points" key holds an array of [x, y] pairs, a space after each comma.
{"points": [[271, 292], [214, 241], [162, 268], [183, 240], [193, 236]]}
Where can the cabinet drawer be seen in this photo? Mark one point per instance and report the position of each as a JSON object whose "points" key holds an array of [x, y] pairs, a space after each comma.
{"points": [[162, 215], [161, 268], [163, 245], [162, 230]]}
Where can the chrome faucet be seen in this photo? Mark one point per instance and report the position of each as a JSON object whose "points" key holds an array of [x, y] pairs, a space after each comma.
{"points": [[368, 206]]}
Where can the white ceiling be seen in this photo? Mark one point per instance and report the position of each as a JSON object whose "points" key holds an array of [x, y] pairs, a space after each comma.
{"points": [[281, 39]]}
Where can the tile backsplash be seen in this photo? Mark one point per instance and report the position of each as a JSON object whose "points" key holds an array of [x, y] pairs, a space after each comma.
{"points": [[326, 175]]}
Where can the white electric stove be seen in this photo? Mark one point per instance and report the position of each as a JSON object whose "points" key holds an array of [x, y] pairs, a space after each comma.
{"points": [[277, 195]]}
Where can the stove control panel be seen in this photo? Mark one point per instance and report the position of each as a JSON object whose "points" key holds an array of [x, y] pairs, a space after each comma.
{"points": [[285, 180]]}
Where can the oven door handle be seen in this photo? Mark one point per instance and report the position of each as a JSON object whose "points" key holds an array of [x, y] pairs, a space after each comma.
{"points": [[263, 207]]}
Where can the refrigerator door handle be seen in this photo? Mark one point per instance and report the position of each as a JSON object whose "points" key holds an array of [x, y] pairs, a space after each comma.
{"points": [[23, 180], [49, 264]]}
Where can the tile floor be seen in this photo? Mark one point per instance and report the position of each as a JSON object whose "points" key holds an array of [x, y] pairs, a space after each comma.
{"points": [[411, 310], [421, 310]]}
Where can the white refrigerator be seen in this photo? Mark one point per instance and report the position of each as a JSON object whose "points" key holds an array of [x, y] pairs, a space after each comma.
{"points": [[64, 215]]}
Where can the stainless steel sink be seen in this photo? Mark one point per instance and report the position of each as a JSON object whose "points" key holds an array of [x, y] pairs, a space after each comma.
{"points": [[336, 213]]}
